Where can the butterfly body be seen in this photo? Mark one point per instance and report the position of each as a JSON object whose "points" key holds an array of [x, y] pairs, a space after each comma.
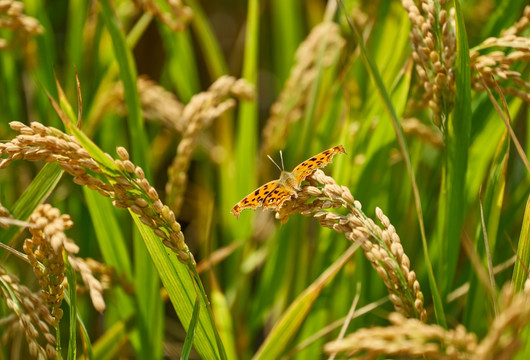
{"points": [[289, 181], [274, 193]]}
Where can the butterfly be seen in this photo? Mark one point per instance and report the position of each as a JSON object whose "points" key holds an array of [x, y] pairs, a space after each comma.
{"points": [[274, 193]]}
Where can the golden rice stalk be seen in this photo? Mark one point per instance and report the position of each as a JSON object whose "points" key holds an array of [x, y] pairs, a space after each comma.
{"points": [[189, 121], [289, 107], [520, 24], [128, 187], [4, 214], [381, 245], [198, 114], [157, 103], [174, 14], [430, 135], [504, 336], [29, 314], [94, 286], [107, 276], [45, 247], [498, 66], [45, 253], [434, 52], [12, 18], [410, 338]]}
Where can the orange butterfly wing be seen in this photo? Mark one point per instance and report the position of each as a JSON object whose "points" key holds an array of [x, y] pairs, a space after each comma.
{"points": [[318, 161], [276, 198], [255, 198], [274, 193]]}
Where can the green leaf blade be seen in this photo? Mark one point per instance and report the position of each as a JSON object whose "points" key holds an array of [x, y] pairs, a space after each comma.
{"points": [[457, 140]]}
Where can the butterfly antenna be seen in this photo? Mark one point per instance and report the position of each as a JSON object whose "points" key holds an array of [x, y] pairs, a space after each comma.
{"points": [[274, 162], [281, 157]]}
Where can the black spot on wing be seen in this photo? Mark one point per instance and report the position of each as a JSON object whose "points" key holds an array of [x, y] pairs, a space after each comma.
{"points": [[268, 196]]}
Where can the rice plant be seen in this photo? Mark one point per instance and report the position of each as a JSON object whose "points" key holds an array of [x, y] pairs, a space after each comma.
{"points": [[132, 132]]}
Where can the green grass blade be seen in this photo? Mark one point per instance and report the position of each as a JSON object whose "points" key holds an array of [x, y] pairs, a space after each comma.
{"points": [[107, 82], [72, 286], [74, 39], [492, 205], [503, 16], [494, 194], [128, 77], [190, 333], [520, 272], [46, 52], [307, 125], [457, 141], [69, 121], [87, 342], [212, 53], [224, 321], [39, 189], [287, 34], [115, 253], [149, 303], [113, 340], [182, 63], [12, 105], [182, 292], [94, 151], [246, 146], [109, 235], [289, 324]]}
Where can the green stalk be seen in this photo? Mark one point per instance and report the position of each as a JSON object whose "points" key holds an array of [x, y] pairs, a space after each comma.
{"points": [[456, 157]]}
